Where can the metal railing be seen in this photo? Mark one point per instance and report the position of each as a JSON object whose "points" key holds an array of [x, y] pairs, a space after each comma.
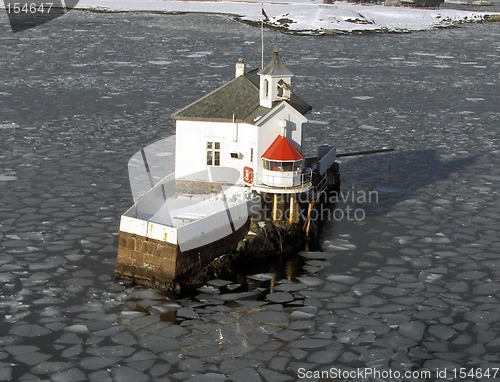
{"points": [[270, 181]]}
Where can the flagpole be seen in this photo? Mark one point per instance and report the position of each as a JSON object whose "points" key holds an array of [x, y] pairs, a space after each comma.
{"points": [[262, 38]]}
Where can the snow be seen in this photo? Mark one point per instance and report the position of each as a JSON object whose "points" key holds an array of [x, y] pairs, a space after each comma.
{"points": [[306, 17]]}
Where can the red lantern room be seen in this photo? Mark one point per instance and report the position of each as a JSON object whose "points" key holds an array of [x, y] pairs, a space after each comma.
{"points": [[282, 164]]}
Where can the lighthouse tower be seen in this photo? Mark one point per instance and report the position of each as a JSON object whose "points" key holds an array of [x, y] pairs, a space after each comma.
{"points": [[275, 81]]}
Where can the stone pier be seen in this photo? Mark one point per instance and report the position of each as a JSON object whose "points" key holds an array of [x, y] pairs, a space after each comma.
{"points": [[158, 263]]}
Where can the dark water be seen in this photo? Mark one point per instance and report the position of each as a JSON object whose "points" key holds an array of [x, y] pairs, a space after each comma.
{"points": [[412, 286]]}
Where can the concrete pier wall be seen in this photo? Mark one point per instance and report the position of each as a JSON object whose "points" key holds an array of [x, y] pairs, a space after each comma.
{"points": [[157, 263]]}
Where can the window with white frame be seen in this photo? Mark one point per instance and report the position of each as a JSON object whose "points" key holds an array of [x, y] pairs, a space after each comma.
{"points": [[213, 153]]}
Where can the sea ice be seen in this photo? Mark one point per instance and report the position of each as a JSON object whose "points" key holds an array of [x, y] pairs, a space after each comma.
{"points": [[9, 126], [369, 128], [288, 287], [312, 269], [245, 375], [144, 321], [310, 281], [318, 263], [158, 344], [412, 329], [219, 283], [96, 363], [21, 349], [316, 255], [72, 351], [5, 373], [7, 178], [191, 364], [309, 343], [52, 367], [33, 358], [377, 280], [345, 279], [262, 276], [271, 375], [442, 332], [280, 297], [141, 355], [238, 296], [482, 317], [393, 291], [299, 315], [160, 62], [69, 338], [111, 351], [395, 341], [28, 330], [122, 373], [71, 375], [268, 317], [324, 356], [78, 328], [144, 294], [158, 370], [171, 331], [489, 288], [362, 98], [187, 313], [100, 376], [208, 377], [457, 286]]}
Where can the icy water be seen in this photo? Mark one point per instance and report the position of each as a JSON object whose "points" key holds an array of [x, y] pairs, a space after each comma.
{"points": [[412, 287]]}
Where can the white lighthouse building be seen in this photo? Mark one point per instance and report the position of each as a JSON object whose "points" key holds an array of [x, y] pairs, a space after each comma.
{"points": [[233, 146], [249, 131]]}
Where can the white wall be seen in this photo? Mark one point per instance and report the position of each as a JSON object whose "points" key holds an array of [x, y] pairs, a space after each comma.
{"points": [[270, 129], [191, 142], [192, 138]]}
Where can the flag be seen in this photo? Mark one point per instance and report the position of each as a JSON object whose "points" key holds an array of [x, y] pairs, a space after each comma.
{"points": [[264, 14]]}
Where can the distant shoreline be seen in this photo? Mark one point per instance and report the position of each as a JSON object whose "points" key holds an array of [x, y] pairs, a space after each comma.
{"points": [[241, 19], [305, 18]]}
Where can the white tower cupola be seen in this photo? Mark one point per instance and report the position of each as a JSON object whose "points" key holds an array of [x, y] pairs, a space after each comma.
{"points": [[275, 81]]}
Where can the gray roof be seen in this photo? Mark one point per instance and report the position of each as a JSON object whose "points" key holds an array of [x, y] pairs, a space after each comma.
{"points": [[276, 67], [238, 98]]}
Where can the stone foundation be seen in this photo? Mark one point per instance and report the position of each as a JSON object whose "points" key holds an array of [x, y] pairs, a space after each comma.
{"points": [[146, 260], [157, 263]]}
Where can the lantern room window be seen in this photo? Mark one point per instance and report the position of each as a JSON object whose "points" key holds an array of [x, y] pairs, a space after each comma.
{"points": [[287, 166]]}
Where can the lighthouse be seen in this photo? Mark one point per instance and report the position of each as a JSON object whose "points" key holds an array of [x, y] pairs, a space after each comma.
{"points": [[238, 149], [249, 131]]}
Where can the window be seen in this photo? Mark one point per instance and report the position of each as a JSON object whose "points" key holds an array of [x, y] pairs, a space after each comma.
{"points": [[251, 154], [213, 153], [266, 88], [282, 166], [283, 89]]}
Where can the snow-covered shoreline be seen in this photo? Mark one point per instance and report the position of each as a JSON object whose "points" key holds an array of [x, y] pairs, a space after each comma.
{"points": [[308, 17]]}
